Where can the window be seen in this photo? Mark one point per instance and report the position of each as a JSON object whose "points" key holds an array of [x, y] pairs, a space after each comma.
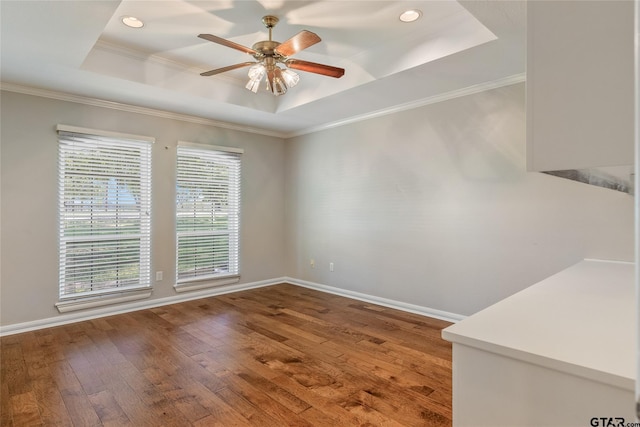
{"points": [[207, 213], [104, 212]]}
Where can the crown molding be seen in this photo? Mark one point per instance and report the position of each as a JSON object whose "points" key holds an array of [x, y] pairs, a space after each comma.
{"points": [[147, 57], [95, 102], [62, 96], [469, 90]]}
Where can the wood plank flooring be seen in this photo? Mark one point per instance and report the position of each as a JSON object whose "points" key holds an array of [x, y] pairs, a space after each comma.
{"points": [[275, 356]]}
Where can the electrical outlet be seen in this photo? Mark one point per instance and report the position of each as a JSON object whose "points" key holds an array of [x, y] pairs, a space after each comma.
{"points": [[158, 276], [313, 263], [330, 266]]}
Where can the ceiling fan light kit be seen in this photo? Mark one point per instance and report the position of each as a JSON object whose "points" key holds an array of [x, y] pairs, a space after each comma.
{"points": [[269, 54]]}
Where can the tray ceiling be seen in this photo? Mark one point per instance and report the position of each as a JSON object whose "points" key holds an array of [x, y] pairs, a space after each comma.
{"points": [[82, 48]]}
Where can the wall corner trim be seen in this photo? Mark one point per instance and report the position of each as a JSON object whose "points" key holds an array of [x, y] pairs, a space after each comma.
{"points": [[97, 102], [398, 305]]}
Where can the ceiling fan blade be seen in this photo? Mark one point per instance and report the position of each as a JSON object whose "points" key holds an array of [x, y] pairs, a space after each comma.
{"points": [[224, 69], [227, 43], [295, 44], [312, 67]]}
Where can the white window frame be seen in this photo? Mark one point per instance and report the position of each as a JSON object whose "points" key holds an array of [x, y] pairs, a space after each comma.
{"points": [[115, 213], [204, 273]]}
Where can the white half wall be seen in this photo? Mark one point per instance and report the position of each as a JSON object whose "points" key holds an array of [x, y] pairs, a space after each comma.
{"points": [[29, 147], [433, 207]]}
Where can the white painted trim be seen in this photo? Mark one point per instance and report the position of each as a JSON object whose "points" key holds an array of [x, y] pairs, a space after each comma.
{"points": [[212, 283], [398, 305], [120, 50], [506, 81], [65, 319], [470, 90], [101, 300], [610, 261], [95, 102], [210, 147], [106, 133]]}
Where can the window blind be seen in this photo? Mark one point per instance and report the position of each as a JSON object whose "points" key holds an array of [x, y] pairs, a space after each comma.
{"points": [[207, 213], [104, 213]]}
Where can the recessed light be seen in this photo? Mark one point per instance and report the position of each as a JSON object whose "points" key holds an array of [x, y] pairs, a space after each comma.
{"points": [[410, 15], [132, 21]]}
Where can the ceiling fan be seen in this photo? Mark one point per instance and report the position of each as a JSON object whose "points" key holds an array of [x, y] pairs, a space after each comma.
{"points": [[269, 54]]}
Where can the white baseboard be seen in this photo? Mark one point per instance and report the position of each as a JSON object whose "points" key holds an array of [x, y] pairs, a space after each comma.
{"points": [[64, 319], [88, 314], [398, 305]]}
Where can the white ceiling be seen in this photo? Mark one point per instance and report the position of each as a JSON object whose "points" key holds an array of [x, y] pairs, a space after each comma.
{"points": [[82, 48]]}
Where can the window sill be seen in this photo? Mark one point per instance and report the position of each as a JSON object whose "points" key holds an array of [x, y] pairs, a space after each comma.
{"points": [[102, 300], [206, 283]]}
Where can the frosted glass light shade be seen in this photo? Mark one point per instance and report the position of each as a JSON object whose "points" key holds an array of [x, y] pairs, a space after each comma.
{"points": [[278, 79], [291, 78], [256, 72], [278, 85], [253, 85]]}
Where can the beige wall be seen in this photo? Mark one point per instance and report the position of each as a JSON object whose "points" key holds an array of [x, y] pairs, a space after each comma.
{"points": [[433, 207], [29, 197], [430, 206]]}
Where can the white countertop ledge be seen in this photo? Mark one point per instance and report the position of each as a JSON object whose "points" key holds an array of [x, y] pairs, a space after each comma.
{"points": [[581, 321]]}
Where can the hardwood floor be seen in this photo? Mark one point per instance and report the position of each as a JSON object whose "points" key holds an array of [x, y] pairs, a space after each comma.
{"points": [[276, 356]]}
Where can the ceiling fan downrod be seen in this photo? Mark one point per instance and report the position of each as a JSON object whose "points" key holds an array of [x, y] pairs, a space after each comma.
{"points": [[270, 21]]}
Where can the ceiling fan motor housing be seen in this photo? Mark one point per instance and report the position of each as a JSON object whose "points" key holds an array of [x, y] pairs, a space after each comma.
{"points": [[265, 48]]}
